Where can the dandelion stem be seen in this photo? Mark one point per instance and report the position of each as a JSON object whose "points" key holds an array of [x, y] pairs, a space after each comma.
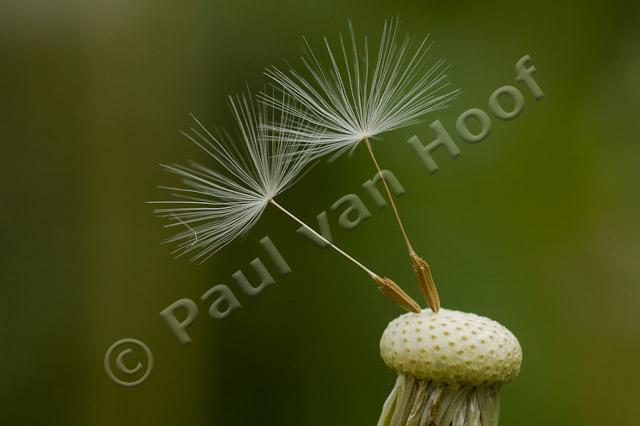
{"points": [[420, 266], [385, 285], [336, 248], [393, 204]]}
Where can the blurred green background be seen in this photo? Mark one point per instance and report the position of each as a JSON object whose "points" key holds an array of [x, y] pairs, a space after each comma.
{"points": [[537, 226]]}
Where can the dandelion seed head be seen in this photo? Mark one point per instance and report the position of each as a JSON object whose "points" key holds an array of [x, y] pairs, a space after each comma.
{"points": [[216, 204], [352, 92]]}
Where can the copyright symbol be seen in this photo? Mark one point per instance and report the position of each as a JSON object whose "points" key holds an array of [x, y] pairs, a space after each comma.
{"points": [[133, 373]]}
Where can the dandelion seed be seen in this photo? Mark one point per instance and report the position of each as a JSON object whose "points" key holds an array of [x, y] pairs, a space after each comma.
{"points": [[356, 94], [354, 97], [218, 206], [393, 291]]}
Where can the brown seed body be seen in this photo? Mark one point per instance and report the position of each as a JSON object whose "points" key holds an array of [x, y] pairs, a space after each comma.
{"points": [[427, 285], [395, 293]]}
